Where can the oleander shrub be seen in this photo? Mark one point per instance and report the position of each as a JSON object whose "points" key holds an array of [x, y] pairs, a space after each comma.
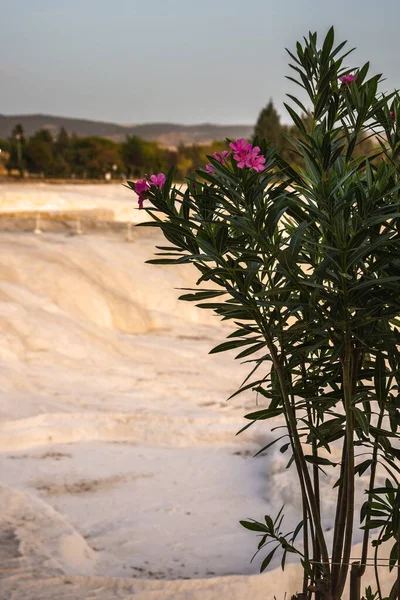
{"points": [[305, 265]]}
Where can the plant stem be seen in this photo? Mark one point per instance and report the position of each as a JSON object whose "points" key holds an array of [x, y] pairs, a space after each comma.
{"points": [[340, 518], [316, 548], [364, 553], [298, 450], [349, 470], [306, 548]]}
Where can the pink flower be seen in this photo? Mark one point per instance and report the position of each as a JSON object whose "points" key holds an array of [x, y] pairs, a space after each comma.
{"points": [[244, 154], [256, 162], [252, 153], [247, 156], [157, 180], [241, 150], [347, 79], [221, 157], [239, 145], [141, 187]]}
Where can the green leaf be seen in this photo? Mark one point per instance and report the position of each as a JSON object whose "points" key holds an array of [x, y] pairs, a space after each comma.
{"points": [[296, 119], [256, 347], [361, 419], [254, 526], [261, 415], [230, 345], [268, 559], [202, 295], [380, 377], [327, 45], [297, 530], [363, 466], [269, 445], [319, 460]]}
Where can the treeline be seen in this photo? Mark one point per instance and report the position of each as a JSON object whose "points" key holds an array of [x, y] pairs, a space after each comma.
{"points": [[69, 156], [96, 158]]}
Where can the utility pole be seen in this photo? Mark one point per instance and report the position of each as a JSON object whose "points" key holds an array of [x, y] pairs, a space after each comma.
{"points": [[19, 153]]}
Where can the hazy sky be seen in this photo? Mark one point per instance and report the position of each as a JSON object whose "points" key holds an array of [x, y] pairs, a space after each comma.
{"points": [[187, 61]]}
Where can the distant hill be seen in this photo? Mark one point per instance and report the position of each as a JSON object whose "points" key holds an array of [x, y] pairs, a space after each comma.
{"points": [[167, 134]]}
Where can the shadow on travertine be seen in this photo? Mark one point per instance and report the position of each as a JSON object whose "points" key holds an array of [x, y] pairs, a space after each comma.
{"points": [[121, 472]]}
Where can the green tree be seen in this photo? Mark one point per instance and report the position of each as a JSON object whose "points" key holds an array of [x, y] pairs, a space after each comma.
{"points": [[282, 137], [62, 142], [141, 157], [5, 145], [93, 156], [4, 155], [17, 150], [268, 126], [61, 168], [40, 153]]}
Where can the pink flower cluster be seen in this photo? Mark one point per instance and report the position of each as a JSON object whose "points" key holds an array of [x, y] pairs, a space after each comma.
{"points": [[220, 157], [248, 156], [348, 79], [142, 186], [245, 155]]}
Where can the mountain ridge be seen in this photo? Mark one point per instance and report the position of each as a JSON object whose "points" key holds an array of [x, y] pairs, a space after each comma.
{"points": [[165, 133]]}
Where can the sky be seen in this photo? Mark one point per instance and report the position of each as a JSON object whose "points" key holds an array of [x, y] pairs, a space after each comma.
{"points": [[181, 61]]}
